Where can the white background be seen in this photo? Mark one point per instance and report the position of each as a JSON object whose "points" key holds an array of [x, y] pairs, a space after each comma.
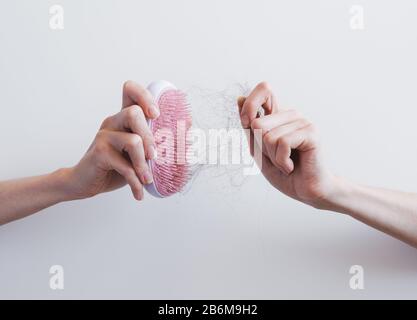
{"points": [[216, 241]]}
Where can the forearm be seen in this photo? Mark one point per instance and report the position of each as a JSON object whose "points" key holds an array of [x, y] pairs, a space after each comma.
{"points": [[22, 197], [392, 212]]}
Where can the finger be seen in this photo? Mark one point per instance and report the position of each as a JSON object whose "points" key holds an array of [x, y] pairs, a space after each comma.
{"points": [[260, 97], [134, 94], [131, 144], [115, 161], [255, 145], [240, 102], [268, 163], [263, 160], [132, 119], [272, 136], [267, 123], [250, 137], [302, 140]]}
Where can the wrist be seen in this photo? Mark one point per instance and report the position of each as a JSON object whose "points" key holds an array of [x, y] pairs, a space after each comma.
{"points": [[60, 182], [339, 194]]}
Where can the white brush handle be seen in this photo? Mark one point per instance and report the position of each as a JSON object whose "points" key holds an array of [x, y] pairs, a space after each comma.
{"points": [[156, 88]]}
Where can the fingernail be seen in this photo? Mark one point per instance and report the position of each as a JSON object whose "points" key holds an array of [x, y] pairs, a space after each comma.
{"points": [[154, 111], [154, 153], [245, 121], [147, 177], [139, 195]]}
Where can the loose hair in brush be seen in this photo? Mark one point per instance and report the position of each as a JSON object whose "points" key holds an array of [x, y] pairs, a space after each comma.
{"points": [[170, 169]]}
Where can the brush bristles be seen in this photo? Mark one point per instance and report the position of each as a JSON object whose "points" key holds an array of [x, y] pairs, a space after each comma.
{"points": [[170, 170]]}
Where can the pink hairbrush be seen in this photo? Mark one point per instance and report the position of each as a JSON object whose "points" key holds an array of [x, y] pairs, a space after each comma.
{"points": [[170, 169]]}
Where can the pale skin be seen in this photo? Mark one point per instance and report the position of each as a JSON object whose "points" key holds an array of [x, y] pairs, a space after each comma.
{"points": [[291, 162], [116, 157]]}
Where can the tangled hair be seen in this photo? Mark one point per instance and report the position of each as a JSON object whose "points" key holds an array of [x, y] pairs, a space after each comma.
{"points": [[217, 110]]}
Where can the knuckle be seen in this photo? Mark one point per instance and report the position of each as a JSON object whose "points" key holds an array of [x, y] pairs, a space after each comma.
{"points": [[101, 136], [101, 148], [264, 86], [282, 142], [140, 112], [134, 141], [128, 84], [269, 139], [132, 112], [148, 139], [256, 123], [106, 122]]}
